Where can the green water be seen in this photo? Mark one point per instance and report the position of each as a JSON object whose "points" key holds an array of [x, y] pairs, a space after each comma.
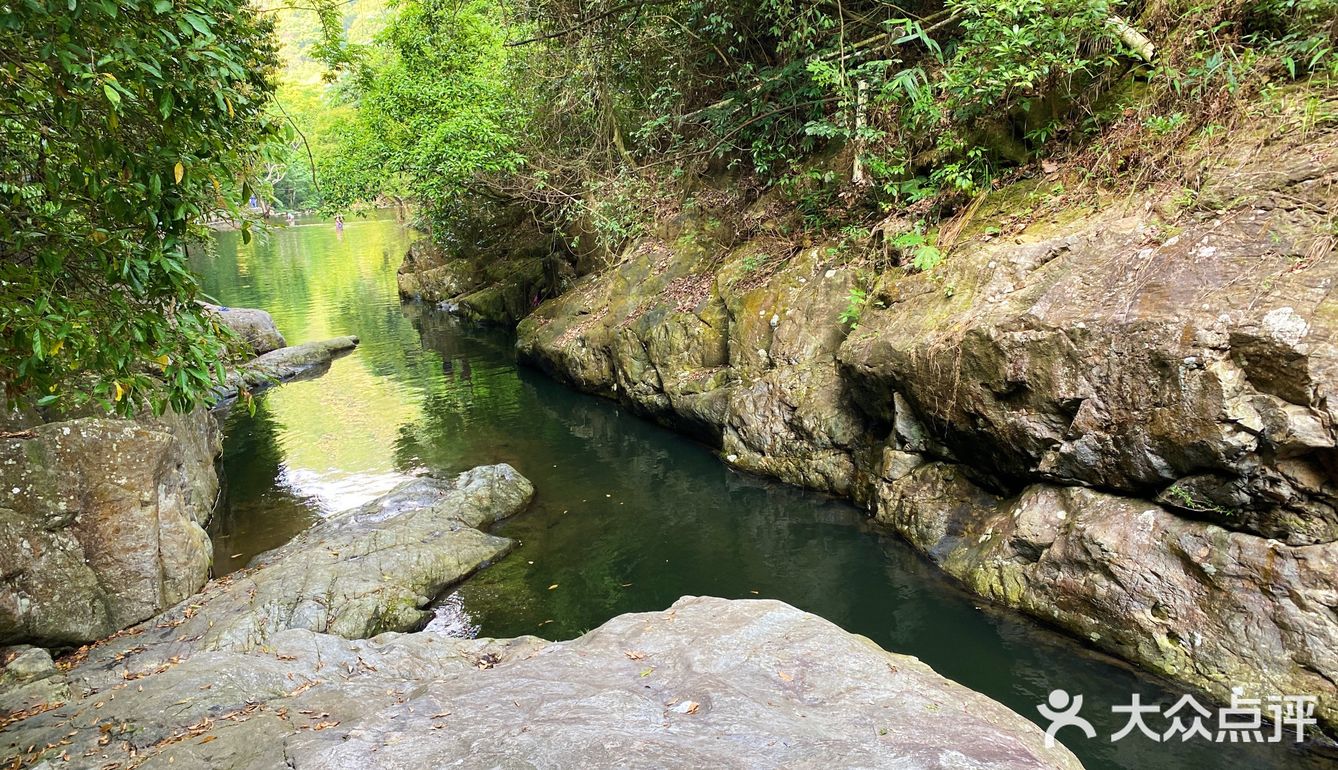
{"points": [[628, 517]]}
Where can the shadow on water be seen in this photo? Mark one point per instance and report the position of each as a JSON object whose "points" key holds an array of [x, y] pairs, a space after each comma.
{"points": [[627, 517]]}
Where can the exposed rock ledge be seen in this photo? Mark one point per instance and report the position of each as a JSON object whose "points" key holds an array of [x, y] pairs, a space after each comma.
{"points": [[707, 683], [1121, 425], [309, 359]]}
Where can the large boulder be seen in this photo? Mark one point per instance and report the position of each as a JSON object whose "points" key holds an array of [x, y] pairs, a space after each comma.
{"points": [[707, 683], [364, 571], [102, 523], [255, 327]]}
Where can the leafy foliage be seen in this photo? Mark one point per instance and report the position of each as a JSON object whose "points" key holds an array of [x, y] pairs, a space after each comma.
{"points": [[431, 111], [595, 113], [123, 126]]}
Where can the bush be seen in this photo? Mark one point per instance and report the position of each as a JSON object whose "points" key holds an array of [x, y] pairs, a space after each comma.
{"points": [[123, 127]]}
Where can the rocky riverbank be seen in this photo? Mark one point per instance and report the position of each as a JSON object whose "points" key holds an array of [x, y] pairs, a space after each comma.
{"points": [[289, 664], [102, 518], [1117, 418]]}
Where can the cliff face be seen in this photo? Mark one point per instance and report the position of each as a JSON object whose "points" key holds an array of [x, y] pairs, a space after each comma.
{"points": [[1120, 419]]}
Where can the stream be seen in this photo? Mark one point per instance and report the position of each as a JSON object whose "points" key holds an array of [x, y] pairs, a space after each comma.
{"points": [[627, 517]]}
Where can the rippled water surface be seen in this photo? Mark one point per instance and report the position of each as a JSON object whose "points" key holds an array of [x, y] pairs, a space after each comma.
{"points": [[628, 517]]}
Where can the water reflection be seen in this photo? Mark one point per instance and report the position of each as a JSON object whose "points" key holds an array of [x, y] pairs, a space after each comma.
{"points": [[627, 517]]}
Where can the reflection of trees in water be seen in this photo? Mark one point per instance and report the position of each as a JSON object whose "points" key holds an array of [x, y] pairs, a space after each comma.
{"points": [[254, 512], [627, 515]]}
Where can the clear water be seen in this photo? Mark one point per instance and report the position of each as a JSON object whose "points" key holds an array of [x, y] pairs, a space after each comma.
{"points": [[628, 517]]}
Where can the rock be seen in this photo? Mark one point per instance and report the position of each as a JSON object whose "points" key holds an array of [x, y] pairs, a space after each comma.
{"points": [[102, 523], [359, 573], [1091, 350], [495, 274], [1079, 374], [1187, 599], [254, 326], [307, 360], [24, 663], [709, 682]]}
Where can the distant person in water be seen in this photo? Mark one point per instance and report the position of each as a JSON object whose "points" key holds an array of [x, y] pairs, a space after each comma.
{"points": [[339, 222]]}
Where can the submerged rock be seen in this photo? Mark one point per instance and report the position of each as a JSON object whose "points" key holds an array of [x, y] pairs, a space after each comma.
{"points": [[102, 523], [256, 327], [707, 683], [307, 360]]}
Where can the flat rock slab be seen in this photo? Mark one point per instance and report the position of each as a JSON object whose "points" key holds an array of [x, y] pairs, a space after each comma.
{"points": [[309, 359], [707, 683]]}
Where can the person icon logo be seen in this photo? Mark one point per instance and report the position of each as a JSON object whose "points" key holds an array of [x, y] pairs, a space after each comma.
{"points": [[1062, 711]]}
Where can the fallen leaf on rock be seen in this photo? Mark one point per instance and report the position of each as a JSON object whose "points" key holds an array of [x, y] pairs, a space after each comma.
{"points": [[324, 725], [555, 585], [634, 655], [687, 707]]}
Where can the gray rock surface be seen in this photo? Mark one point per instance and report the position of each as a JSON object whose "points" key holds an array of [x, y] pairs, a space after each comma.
{"points": [[102, 523], [254, 326], [309, 359], [1186, 362], [359, 573], [707, 683], [1187, 599], [364, 571]]}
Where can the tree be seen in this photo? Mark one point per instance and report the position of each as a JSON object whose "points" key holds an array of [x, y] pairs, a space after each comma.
{"points": [[433, 111], [125, 125]]}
